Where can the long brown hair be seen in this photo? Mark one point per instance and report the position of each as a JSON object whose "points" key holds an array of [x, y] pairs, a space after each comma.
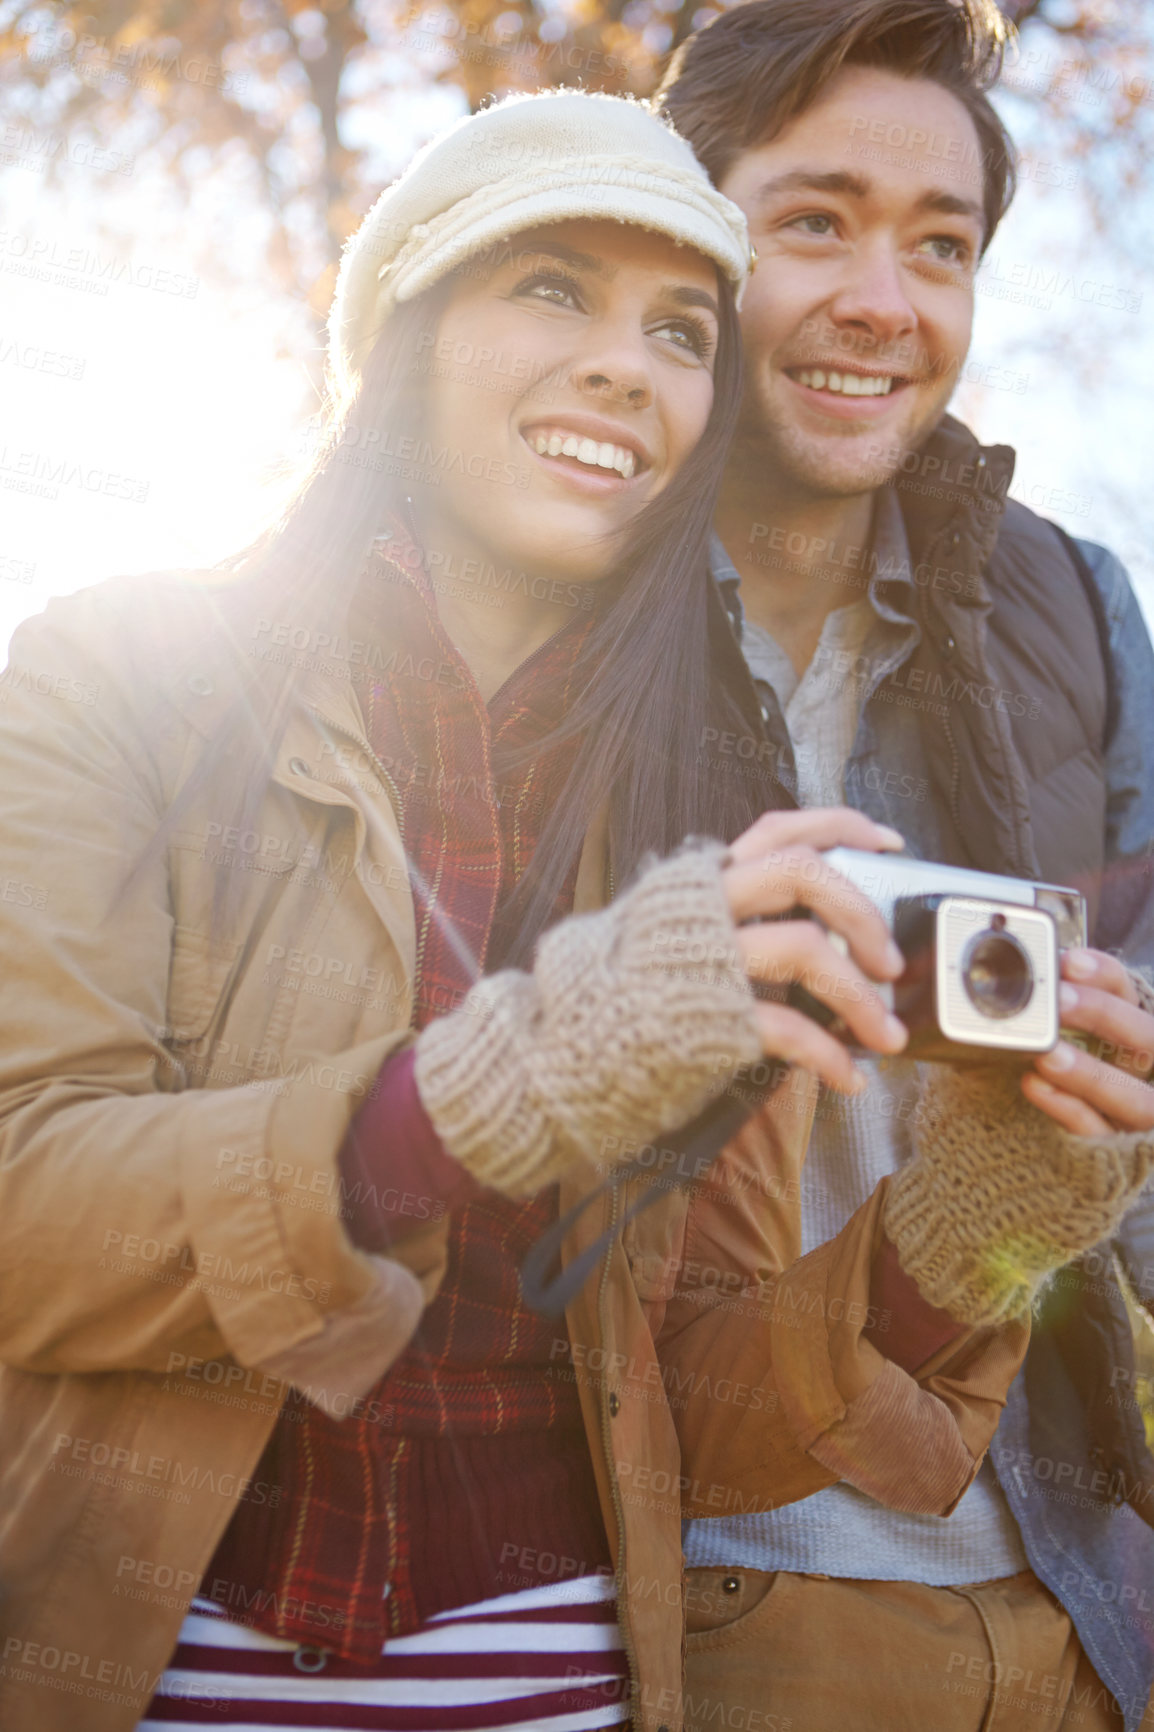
{"points": [[649, 687]]}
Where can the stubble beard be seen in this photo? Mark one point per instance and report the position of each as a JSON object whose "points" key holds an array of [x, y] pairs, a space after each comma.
{"points": [[772, 455]]}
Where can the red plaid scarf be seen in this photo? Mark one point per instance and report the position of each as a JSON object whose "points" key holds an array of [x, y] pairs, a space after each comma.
{"points": [[471, 1451]]}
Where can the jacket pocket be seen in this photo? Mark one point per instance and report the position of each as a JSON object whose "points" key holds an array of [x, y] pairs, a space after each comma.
{"points": [[654, 1243], [727, 1606]]}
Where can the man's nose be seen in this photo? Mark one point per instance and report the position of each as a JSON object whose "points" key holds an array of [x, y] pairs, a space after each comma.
{"points": [[873, 297]]}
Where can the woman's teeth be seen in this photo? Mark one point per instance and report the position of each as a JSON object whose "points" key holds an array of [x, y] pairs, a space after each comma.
{"points": [[602, 456], [848, 384]]}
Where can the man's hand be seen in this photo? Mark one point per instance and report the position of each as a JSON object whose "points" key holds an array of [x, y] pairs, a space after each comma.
{"points": [[775, 869], [1091, 1096]]}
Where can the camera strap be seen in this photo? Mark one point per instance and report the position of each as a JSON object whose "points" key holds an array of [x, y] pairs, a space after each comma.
{"points": [[547, 1286]]}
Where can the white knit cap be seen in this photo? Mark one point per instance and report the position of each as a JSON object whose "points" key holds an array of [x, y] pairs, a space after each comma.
{"points": [[529, 160]]}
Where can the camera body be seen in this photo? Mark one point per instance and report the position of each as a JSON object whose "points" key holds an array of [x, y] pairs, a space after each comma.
{"points": [[981, 977]]}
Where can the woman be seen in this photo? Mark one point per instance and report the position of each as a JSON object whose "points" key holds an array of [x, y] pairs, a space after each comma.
{"points": [[282, 1443]]}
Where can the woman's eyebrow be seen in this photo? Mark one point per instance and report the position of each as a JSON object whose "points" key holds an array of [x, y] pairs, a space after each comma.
{"points": [[684, 296], [570, 256], [680, 293]]}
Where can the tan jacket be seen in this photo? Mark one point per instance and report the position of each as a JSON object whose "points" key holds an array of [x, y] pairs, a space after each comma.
{"points": [[172, 1099]]}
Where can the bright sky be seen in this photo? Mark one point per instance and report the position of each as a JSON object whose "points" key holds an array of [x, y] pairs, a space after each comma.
{"points": [[142, 413], [140, 410]]}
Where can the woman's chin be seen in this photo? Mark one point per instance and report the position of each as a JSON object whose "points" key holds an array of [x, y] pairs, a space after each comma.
{"points": [[563, 552]]}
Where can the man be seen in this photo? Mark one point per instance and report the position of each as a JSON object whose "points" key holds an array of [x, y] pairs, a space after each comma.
{"points": [[955, 666]]}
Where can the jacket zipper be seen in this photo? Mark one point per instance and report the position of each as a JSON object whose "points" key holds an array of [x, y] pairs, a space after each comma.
{"points": [[607, 1446], [955, 773], [363, 744]]}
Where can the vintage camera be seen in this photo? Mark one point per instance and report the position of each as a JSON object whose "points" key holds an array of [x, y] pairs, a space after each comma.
{"points": [[981, 976]]}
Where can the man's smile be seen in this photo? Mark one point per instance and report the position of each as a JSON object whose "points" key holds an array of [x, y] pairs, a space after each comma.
{"points": [[839, 394], [845, 384]]}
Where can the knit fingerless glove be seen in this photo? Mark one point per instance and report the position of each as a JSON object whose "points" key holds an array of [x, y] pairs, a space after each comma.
{"points": [[631, 1020], [998, 1194]]}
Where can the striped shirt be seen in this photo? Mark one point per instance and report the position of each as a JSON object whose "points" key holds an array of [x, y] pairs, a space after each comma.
{"points": [[549, 1659]]}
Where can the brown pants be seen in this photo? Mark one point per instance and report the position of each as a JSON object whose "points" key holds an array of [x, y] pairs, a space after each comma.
{"points": [[791, 1653]]}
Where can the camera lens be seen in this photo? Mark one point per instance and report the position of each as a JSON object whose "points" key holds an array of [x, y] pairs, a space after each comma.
{"points": [[997, 974]]}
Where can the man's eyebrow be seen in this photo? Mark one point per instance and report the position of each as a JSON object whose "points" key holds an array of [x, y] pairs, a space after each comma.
{"points": [[857, 186], [949, 204], [812, 180]]}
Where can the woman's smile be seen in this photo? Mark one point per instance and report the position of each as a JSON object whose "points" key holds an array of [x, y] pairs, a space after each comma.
{"points": [[586, 449]]}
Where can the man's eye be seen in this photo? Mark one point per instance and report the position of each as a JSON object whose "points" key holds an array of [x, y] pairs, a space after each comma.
{"points": [[813, 223], [947, 249]]}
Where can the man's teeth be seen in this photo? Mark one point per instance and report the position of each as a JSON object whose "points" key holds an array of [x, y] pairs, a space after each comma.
{"points": [[602, 456], [848, 384]]}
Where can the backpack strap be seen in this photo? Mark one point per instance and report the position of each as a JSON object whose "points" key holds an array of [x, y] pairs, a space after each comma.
{"points": [[1092, 1332], [1101, 625]]}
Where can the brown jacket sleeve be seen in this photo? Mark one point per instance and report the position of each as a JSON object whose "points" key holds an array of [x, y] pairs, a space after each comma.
{"points": [[142, 1219], [775, 1390]]}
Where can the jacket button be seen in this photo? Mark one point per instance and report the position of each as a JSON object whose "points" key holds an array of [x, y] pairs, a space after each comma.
{"points": [[949, 644], [730, 1584], [201, 685], [298, 767], [956, 538], [310, 1659], [614, 1405]]}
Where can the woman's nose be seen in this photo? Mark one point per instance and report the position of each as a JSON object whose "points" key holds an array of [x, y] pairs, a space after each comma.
{"points": [[615, 367]]}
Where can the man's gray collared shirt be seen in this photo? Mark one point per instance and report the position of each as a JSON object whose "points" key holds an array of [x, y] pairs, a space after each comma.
{"points": [[827, 760]]}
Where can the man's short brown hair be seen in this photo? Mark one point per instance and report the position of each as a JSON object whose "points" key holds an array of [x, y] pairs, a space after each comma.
{"points": [[738, 82]]}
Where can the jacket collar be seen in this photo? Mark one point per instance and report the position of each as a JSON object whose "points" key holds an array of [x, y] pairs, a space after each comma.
{"points": [[952, 494]]}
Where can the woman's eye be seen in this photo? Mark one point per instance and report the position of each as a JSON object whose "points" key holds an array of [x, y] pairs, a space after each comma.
{"points": [[559, 291], [695, 339]]}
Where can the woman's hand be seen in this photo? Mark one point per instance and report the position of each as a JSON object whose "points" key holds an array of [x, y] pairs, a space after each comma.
{"points": [[634, 1018], [776, 867], [1092, 1095]]}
